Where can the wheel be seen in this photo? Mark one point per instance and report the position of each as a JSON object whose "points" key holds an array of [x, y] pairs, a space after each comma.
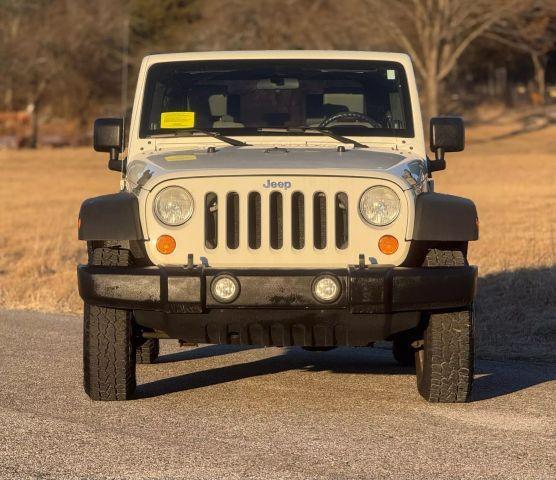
{"points": [[108, 335], [147, 350], [402, 348], [444, 360], [444, 364], [108, 353]]}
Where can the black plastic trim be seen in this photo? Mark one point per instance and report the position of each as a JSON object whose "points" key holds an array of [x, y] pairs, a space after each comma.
{"points": [[110, 217], [321, 328], [445, 218], [375, 289]]}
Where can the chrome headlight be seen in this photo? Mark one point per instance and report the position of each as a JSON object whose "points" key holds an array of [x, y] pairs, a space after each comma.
{"points": [[379, 206], [173, 206]]}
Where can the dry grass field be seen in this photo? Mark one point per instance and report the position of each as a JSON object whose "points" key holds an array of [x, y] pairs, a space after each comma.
{"points": [[511, 179]]}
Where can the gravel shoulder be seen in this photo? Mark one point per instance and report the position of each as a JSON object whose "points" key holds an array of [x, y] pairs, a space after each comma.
{"points": [[216, 412]]}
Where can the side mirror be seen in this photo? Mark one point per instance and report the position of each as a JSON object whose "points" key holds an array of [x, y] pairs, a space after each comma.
{"points": [[447, 134], [108, 136]]}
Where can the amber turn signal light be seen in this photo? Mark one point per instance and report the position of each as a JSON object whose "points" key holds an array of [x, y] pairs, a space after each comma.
{"points": [[388, 244], [165, 244]]}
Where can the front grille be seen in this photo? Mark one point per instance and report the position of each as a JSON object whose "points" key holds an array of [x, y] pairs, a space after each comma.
{"points": [[284, 224], [342, 220], [298, 220], [232, 220], [276, 220], [319, 220], [211, 220], [254, 220]]}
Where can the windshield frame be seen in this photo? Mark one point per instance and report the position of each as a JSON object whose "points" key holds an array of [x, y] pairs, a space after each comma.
{"points": [[332, 64]]}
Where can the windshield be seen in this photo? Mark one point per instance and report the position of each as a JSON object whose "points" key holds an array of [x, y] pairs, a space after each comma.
{"points": [[367, 98]]}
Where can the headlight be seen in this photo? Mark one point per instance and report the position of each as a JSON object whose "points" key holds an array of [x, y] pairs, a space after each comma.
{"points": [[173, 206], [379, 206]]}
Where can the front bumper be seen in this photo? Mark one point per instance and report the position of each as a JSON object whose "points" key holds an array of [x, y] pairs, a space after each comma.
{"points": [[370, 289]]}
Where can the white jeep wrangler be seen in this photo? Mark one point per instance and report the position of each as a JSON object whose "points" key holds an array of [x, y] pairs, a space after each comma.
{"points": [[278, 198]]}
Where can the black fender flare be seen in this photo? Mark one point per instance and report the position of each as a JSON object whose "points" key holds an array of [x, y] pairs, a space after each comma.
{"points": [[110, 217], [445, 218]]}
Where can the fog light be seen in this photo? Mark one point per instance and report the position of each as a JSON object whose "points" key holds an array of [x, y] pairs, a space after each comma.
{"points": [[388, 244], [225, 288], [326, 288], [165, 244]]}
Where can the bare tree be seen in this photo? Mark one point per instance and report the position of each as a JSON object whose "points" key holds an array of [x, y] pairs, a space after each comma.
{"points": [[533, 32], [276, 24], [64, 57], [29, 55], [13, 29], [57, 54], [436, 33]]}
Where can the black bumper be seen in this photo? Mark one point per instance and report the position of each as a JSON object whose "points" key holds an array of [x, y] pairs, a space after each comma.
{"points": [[374, 289]]}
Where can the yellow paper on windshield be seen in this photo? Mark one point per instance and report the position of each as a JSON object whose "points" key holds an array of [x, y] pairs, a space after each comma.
{"points": [[177, 120], [180, 158]]}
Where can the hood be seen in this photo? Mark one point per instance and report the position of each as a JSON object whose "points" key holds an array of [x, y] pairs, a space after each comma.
{"points": [[146, 170]]}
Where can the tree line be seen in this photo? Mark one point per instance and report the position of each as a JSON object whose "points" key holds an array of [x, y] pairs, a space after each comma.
{"points": [[69, 58]]}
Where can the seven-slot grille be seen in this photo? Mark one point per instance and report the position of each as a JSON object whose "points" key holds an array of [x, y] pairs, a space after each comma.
{"points": [[278, 219]]}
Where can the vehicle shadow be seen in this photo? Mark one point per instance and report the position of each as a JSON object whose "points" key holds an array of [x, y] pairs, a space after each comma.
{"points": [[341, 360], [202, 352], [493, 379], [496, 379]]}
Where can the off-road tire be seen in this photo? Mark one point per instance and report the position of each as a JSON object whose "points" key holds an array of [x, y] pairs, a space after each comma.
{"points": [[147, 350], [120, 254], [444, 365], [110, 254], [108, 334], [437, 257], [108, 354]]}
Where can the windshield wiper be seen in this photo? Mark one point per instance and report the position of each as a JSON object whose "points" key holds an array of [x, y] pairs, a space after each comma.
{"points": [[209, 133], [335, 136], [324, 131]]}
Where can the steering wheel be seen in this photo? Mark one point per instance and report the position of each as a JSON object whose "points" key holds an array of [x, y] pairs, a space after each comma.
{"points": [[359, 117]]}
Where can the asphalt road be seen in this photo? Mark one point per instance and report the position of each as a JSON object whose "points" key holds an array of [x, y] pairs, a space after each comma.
{"points": [[218, 412]]}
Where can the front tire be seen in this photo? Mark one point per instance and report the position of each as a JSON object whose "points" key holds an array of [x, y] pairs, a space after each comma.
{"points": [[444, 364], [445, 359], [108, 354]]}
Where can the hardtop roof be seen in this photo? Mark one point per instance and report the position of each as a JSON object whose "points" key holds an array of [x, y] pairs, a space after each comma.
{"points": [[402, 58]]}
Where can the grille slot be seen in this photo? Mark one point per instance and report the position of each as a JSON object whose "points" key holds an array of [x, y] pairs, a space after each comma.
{"points": [[341, 214], [211, 220], [276, 220], [319, 220], [254, 204], [298, 220], [272, 221], [232, 220]]}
